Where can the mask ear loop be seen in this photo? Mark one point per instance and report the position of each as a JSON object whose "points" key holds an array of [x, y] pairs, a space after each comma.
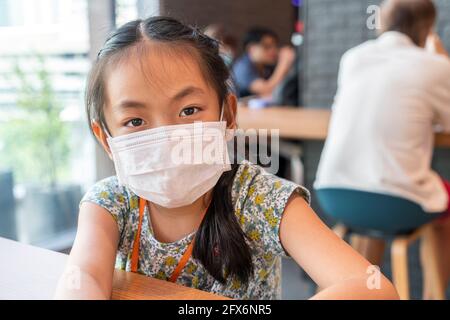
{"points": [[115, 160], [228, 135], [221, 112], [107, 132]]}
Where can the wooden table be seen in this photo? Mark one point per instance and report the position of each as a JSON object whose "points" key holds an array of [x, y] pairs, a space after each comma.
{"points": [[28, 272], [299, 123]]}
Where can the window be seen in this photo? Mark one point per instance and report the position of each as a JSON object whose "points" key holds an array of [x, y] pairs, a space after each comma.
{"points": [[126, 10], [46, 150]]}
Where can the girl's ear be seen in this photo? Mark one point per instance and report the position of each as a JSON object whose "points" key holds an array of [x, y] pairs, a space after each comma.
{"points": [[101, 137], [231, 111]]}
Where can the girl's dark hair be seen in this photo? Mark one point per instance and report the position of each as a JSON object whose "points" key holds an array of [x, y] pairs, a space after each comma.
{"points": [[220, 243]]}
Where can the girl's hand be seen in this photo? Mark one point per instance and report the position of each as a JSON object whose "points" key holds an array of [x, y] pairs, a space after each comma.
{"points": [[330, 262], [89, 270]]}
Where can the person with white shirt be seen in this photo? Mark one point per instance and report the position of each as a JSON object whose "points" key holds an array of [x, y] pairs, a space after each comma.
{"points": [[393, 94]]}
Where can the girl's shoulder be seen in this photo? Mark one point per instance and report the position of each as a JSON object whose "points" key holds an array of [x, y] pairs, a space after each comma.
{"points": [[259, 200], [112, 196], [252, 179], [107, 190]]}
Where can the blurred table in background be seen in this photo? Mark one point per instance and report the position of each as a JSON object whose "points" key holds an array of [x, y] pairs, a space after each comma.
{"points": [[28, 272], [299, 123]]}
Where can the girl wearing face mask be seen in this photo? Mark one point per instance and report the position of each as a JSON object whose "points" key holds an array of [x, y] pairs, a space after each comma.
{"points": [[200, 222]]}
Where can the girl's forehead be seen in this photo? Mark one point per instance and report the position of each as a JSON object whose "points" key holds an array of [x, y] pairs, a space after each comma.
{"points": [[158, 70]]}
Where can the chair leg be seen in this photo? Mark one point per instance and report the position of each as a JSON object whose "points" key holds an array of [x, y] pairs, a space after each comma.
{"points": [[370, 248], [357, 242], [399, 261], [297, 170], [433, 284], [340, 230], [373, 250]]}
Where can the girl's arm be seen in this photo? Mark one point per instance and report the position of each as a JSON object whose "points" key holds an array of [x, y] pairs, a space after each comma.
{"points": [[90, 267], [329, 261]]}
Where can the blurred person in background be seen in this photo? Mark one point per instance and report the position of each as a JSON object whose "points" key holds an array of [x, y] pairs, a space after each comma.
{"points": [[228, 43], [263, 66], [392, 94]]}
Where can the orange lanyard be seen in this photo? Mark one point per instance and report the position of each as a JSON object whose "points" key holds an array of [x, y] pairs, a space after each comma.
{"points": [[135, 253]]}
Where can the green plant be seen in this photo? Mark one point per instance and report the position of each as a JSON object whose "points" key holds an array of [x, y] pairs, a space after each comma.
{"points": [[35, 140]]}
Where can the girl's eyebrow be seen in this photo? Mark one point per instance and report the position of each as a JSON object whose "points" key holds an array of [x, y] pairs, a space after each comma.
{"points": [[187, 91], [190, 90], [125, 104]]}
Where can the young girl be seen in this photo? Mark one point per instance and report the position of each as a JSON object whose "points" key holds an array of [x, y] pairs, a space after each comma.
{"points": [[212, 226]]}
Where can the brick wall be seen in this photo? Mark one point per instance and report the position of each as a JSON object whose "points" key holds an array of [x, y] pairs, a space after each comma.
{"points": [[333, 27]]}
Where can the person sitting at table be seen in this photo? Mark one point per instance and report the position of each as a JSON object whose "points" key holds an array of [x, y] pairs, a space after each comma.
{"points": [[392, 95], [157, 87], [263, 66]]}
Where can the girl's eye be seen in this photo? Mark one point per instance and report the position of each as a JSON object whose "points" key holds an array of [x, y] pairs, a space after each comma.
{"points": [[189, 111], [134, 123]]}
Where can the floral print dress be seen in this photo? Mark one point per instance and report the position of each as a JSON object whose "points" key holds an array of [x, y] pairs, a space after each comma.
{"points": [[259, 199]]}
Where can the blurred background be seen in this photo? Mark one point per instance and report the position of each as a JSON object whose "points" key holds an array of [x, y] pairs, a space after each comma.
{"points": [[47, 155]]}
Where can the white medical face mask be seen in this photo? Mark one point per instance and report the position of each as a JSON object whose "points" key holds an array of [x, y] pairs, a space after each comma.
{"points": [[172, 166]]}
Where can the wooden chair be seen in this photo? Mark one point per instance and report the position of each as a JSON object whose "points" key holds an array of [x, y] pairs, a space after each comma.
{"points": [[372, 218], [433, 283]]}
